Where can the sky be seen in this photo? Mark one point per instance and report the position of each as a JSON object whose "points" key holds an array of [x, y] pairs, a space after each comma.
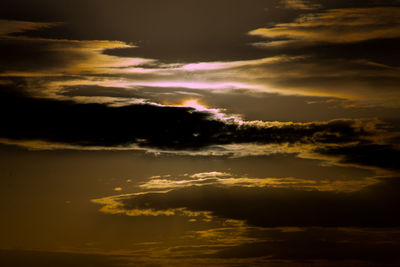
{"points": [[199, 133]]}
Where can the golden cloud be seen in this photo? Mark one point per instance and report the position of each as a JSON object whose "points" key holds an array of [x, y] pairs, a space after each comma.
{"points": [[339, 26], [300, 4]]}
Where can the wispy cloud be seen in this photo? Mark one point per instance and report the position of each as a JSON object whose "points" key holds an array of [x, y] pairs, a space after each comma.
{"points": [[300, 4], [14, 26], [49, 66], [226, 179], [267, 206], [339, 26]]}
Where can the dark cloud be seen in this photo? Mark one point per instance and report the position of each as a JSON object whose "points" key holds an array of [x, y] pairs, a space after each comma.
{"points": [[159, 126], [24, 258], [99, 125], [374, 206], [179, 128], [383, 156], [314, 244], [306, 247]]}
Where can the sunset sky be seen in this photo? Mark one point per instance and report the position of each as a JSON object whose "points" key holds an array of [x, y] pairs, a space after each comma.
{"points": [[199, 133]]}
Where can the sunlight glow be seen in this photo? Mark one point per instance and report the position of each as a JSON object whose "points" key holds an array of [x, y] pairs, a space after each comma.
{"points": [[194, 103], [217, 113]]}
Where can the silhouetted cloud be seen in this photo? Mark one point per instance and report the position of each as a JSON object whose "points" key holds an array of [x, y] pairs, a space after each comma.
{"points": [[383, 156], [171, 128]]}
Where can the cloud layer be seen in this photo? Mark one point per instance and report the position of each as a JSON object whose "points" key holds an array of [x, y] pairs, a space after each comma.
{"points": [[177, 80], [167, 128], [339, 26], [373, 206]]}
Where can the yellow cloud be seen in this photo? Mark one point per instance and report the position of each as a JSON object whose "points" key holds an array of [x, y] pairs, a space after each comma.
{"points": [[300, 4], [339, 26], [227, 179], [113, 205]]}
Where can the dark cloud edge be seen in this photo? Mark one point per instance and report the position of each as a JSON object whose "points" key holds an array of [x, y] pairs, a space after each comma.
{"points": [[168, 128]]}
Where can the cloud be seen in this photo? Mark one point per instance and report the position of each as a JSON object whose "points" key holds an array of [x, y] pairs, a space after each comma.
{"points": [[207, 66], [300, 4], [345, 54], [186, 129], [382, 156], [237, 245], [339, 26], [13, 26], [38, 71], [323, 247], [373, 206], [21, 258], [167, 182], [45, 63], [62, 68], [320, 70], [29, 57], [294, 246]]}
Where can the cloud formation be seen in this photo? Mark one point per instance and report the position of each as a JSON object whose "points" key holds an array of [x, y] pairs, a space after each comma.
{"points": [[187, 128], [372, 206], [339, 26], [41, 71], [300, 4], [322, 247], [12, 26], [110, 78], [20, 258], [167, 182], [303, 63]]}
